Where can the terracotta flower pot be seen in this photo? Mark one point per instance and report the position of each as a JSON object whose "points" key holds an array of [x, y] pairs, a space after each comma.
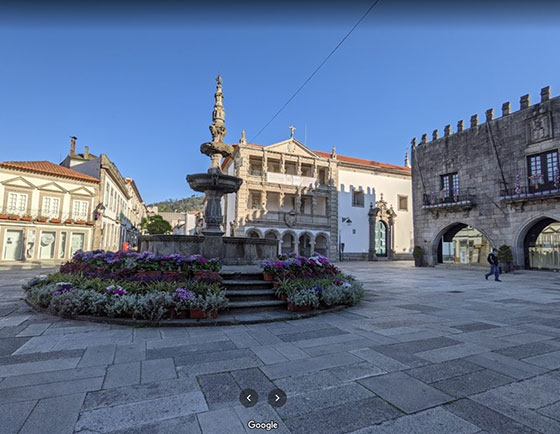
{"points": [[80, 222], [268, 277], [172, 312], [293, 308], [26, 219], [212, 314], [13, 217], [55, 220], [197, 313], [276, 285], [3, 216], [283, 297], [182, 314], [68, 221]]}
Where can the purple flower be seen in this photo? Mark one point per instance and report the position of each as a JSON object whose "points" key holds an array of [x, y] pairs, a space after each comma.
{"points": [[317, 288], [183, 294], [62, 288], [115, 290]]}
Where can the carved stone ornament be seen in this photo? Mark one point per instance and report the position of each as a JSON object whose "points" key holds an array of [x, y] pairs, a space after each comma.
{"points": [[290, 218], [540, 128]]}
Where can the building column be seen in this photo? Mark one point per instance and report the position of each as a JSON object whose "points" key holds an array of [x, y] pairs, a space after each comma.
{"points": [[372, 222], [390, 241], [312, 244], [282, 164], [298, 166]]}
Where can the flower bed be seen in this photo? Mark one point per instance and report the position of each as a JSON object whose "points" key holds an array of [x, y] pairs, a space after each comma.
{"points": [[309, 283], [100, 284], [141, 267]]}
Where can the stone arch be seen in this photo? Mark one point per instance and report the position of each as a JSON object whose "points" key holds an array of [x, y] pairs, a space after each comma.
{"points": [[272, 234], [289, 241], [305, 243], [254, 233], [322, 243], [447, 233], [535, 223]]}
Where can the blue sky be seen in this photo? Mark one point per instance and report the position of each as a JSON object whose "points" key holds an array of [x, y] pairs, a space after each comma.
{"points": [[139, 86]]}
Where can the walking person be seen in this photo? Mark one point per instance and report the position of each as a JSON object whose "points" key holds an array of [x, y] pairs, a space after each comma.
{"points": [[494, 265]]}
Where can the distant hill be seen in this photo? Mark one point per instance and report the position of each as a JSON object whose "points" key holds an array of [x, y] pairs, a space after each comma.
{"points": [[193, 203]]}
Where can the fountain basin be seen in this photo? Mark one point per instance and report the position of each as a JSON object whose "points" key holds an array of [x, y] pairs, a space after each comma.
{"points": [[214, 182]]}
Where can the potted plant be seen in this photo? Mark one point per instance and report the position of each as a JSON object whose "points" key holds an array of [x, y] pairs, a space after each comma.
{"points": [[197, 307], [269, 270], [13, 217], [26, 218], [215, 302], [80, 222], [68, 221], [55, 220], [3, 215], [285, 287], [418, 255], [41, 219], [182, 298], [505, 257], [305, 299]]}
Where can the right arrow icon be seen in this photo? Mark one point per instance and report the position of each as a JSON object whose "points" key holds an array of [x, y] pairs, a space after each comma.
{"points": [[277, 398]]}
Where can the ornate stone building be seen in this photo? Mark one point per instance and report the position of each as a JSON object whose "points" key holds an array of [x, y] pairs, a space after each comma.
{"points": [[495, 183], [314, 201]]}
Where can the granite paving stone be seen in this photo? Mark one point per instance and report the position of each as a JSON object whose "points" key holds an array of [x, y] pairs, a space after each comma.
{"points": [[308, 402], [269, 355], [355, 371], [35, 329], [418, 396], [552, 411], [309, 381], [38, 344], [219, 366], [491, 421], [49, 390], [524, 338], [442, 371], [242, 339], [548, 360], [141, 392], [109, 419], [220, 390], [451, 352], [54, 415], [179, 348], [474, 326], [290, 351], [52, 377], [36, 357], [221, 421], [14, 415], [193, 358], [472, 383], [130, 353], [380, 360], [311, 334], [9, 345], [433, 421], [253, 378], [355, 343], [98, 355], [157, 370], [343, 418], [506, 365], [40, 366], [312, 364], [122, 374], [178, 425]]}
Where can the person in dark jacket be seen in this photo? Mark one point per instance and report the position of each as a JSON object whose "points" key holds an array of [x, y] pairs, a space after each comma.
{"points": [[494, 265]]}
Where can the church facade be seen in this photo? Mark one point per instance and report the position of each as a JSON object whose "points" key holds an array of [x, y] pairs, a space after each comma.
{"points": [[493, 184], [313, 201]]}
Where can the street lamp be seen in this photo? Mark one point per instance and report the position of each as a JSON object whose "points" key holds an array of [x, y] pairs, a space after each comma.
{"points": [[348, 221]]}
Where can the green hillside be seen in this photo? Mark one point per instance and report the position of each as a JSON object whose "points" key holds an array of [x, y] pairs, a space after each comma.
{"points": [[193, 203]]}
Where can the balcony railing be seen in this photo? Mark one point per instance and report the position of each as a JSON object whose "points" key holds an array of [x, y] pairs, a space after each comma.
{"points": [[255, 172], [529, 192], [272, 217], [457, 198]]}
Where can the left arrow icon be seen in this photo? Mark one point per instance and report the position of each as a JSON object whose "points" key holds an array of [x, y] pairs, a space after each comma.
{"points": [[248, 397]]}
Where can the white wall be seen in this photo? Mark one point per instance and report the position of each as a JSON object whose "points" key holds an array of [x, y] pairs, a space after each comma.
{"points": [[373, 185]]}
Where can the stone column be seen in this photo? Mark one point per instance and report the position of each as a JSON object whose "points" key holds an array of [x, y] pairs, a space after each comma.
{"points": [[311, 244], [372, 217], [282, 164], [390, 238], [298, 166]]}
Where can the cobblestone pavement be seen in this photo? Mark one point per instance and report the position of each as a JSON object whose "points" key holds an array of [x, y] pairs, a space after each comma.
{"points": [[429, 350]]}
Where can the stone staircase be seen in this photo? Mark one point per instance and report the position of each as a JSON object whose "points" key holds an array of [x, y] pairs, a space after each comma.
{"points": [[248, 292]]}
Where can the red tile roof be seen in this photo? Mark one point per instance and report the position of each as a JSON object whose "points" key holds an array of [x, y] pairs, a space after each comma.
{"points": [[347, 159], [47, 168]]}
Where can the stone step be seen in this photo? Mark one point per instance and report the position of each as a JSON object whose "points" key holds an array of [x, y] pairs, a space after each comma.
{"points": [[235, 275], [256, 306], [247, 284], [250, 294]]}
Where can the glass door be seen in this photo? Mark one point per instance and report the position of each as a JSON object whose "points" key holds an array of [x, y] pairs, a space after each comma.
{"points": [[13, 245]]}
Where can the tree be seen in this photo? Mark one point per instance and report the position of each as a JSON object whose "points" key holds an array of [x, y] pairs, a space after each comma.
{"points": [[156, 225]]}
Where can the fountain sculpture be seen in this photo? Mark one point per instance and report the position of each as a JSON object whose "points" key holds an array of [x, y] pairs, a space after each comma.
{"points": [[214, 184]]}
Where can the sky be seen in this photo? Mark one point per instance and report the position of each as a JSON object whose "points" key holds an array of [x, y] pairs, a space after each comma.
{"points": [[136, 80]]}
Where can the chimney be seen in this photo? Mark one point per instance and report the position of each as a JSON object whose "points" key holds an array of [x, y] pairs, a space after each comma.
{"points": [[73, 145], [86, 152]]}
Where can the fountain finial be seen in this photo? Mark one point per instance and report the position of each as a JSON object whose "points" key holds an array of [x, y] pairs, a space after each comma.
{"points": [[216, 149]]}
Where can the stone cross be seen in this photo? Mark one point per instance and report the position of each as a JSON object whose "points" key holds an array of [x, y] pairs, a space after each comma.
{"points": [[292, 129]]}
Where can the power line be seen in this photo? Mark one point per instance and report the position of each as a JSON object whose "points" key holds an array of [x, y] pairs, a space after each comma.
{"points": [[317, 69]]}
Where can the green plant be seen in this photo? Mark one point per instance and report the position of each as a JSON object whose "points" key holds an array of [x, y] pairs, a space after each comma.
{"points": [[304, 297], [418, 253], [198, 302], [216, 301], [78, 302], [156, 225], [121, 306], [504, 254], [153, 306], [332, 295]]}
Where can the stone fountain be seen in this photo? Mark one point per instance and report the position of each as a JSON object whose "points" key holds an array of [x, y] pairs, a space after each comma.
{"points": [[214, 184]]}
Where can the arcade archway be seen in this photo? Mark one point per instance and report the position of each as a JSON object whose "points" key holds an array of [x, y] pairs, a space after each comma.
{"points": [[463, 245], [541, 245]]}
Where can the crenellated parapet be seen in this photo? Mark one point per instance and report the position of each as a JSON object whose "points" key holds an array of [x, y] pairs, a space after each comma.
{"points": [[524, 104]]}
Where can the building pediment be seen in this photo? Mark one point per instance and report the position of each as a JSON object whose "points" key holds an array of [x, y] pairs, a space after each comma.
{"points": [[82, 190], [292, 147], [18, 181], [52, 186]]}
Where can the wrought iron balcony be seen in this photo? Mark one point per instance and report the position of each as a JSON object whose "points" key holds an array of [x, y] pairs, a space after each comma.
{"points": [[450, 199], [519, 193]]}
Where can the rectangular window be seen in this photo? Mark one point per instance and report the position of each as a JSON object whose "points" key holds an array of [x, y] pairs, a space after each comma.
{"points": [[51, 207], [30, 250], [449, 185], [80, 210], [255, 201], [358, 198], [543, 170], [402, 203], [17, 203], [76, 242], [47, 242]]}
